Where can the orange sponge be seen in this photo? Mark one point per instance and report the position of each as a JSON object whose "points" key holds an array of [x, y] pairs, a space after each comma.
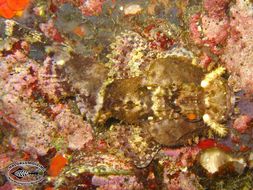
{"points": [[17, 5], [57, 164], [10, 8]]}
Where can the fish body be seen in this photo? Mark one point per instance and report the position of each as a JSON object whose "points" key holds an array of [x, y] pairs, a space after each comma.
{"points": [[169, 100]]}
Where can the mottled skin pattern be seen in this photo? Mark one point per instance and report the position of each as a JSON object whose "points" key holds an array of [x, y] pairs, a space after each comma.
{"points": [[86, 78], [127, 100], [136, 143], [168, 101]]}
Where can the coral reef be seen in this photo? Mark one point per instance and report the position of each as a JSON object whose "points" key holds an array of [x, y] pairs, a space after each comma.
{"points": [[242, 123], [110, 94], [238, 51], [27, 86]]}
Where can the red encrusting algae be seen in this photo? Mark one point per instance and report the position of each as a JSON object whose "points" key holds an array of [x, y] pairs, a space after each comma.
{"points": [[210, 143]]}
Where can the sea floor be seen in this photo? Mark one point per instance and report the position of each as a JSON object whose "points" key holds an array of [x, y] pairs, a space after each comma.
{"points": [[126, 95]]}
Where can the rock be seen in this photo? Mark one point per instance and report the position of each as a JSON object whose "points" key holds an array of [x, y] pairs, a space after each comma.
{"points": [[213, 159], [242, 123]]}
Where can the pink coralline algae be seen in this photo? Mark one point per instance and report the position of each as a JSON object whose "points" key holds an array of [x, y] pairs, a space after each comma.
{"points": [[35, 130], [183, 156], [238, 54], [215, 8], [77, 131], [215, 29], [18, 75], [212, 32], [242, 123], [91, 7], [50, 31], [227, 35], [194, 28], [184, 181], [211, 29], [129, 95], [116, 183]]}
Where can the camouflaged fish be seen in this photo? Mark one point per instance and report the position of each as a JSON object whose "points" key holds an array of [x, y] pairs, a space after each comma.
{"points": [[164, 104], [167, 103], [172, 99]]}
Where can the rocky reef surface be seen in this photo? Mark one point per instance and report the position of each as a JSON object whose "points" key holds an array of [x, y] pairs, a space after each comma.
{"points": [[128, 95]]}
